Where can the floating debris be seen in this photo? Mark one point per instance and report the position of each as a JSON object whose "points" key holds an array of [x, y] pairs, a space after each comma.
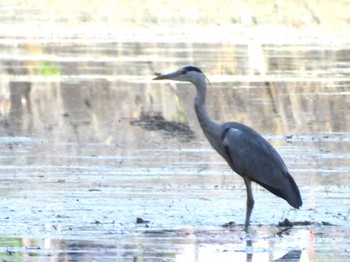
{"points": [[229, 224], [141, 221], [287, 223]]}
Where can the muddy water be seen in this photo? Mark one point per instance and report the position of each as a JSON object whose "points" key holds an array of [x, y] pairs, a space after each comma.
{"points": [[100, 163]]}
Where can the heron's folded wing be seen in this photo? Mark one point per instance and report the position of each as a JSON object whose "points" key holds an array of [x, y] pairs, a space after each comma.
{"points": [[251, 155]]}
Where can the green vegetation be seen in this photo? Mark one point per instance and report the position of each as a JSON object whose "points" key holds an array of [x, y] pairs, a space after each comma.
{"points": [[48, 69]]}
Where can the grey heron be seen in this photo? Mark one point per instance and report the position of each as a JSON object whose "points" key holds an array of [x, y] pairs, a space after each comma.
{"points": [[248, 154]]}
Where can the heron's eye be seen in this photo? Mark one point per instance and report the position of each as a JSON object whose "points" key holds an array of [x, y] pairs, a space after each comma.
{"points": [[183, 72]]}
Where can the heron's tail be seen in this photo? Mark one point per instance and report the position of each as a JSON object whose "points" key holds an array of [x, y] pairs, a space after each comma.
{"points": [[286, 188], [293, 197]]}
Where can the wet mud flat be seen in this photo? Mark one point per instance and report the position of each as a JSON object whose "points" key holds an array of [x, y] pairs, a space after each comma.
{"points": [[100, 163], [166, 199]]}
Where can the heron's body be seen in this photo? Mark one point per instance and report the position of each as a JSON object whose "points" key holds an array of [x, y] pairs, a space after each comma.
{"points": [[246, 152]]}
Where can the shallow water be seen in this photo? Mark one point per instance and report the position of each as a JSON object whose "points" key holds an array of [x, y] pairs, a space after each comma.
{"points": [[99, 162]]}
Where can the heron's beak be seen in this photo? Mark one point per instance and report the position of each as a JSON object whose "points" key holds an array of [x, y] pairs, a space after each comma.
{"points": [[167, 76]]}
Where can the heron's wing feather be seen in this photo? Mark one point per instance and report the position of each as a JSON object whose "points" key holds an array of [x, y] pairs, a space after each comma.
{"points": [[249, 154]]}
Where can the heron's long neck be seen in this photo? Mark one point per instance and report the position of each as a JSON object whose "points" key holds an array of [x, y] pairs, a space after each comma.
{"points": [[199, 104]]}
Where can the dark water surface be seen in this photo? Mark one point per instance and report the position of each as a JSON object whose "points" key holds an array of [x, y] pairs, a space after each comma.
{"points": [[100, 163]]}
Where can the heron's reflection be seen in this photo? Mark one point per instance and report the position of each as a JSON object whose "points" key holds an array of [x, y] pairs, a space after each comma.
{"points": [[249, 249], [291, 256]]}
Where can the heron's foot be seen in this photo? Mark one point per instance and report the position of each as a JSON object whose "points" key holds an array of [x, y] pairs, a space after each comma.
{"points": [[246, 225]]}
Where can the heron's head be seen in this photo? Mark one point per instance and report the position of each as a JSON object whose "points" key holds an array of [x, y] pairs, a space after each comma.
{"points": [[188, 74]]}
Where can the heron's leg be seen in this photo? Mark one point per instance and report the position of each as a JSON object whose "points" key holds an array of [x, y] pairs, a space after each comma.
{"points": [[250, 200]]}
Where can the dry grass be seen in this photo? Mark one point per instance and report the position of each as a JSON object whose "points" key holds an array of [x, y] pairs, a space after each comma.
{"points": [[201, 21], [222, 12]]}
